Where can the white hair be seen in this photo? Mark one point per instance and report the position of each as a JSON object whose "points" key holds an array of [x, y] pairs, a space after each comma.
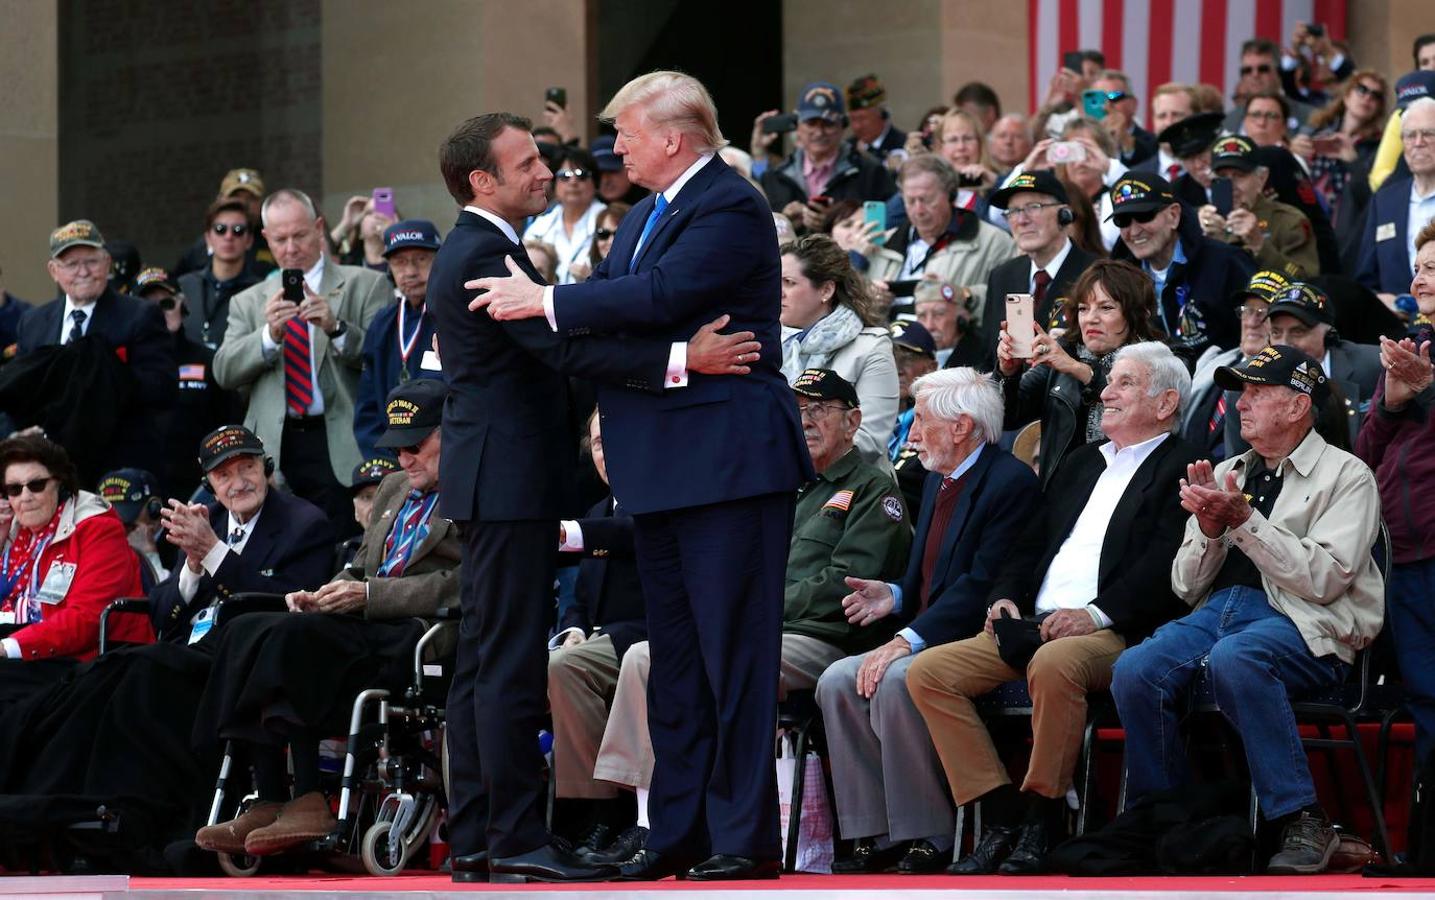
{"points": [[785, 232], [1164, 372], [1422, 103], [287, 195], [738, 159], [674, 100], [963, 392]]}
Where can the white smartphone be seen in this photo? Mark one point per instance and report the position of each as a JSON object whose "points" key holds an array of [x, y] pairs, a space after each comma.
{"points": [[1020, 312]]}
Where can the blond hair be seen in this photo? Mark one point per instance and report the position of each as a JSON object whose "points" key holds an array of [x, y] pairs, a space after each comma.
{"points": [[674, 100]]}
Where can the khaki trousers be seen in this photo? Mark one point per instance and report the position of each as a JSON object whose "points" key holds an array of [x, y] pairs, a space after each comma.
{"points": [[581, 683], [626, 754], [943, 682]]}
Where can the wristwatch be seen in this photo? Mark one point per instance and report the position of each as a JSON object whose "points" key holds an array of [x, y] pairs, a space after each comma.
{"points": [[339, 332]]}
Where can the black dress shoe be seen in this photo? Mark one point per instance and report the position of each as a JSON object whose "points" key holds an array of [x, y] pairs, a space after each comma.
{"points": [[550, 862], [650, 865], [623, 848], [922, 859], [595, 840], [990, 851], [734, 868], [867, 858], [1029, 855], [473, 867]]}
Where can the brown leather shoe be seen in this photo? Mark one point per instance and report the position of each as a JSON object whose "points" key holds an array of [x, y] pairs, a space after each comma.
{"points": [[228, 837], [300, 821]]}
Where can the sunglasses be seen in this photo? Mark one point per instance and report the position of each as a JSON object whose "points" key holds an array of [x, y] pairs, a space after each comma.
{"points": [[604, 234], [222, 229], [1122, 220], [570, 174], [1263, 69], [1112, 96], [35, 487], [167, 303], [1366, 91]]}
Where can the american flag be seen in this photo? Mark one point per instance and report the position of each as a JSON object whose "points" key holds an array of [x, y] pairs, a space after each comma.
{"points": [[1156, 41]]}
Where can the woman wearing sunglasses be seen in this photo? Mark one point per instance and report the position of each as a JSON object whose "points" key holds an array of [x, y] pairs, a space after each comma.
{"points": [[66, 558], [608, 221], [570, 223], [1343, 133]]}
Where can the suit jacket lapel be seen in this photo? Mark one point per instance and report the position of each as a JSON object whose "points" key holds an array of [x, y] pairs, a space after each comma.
{"points": [[695, 186], [331, 288], [1124, 515], [976, 477]]}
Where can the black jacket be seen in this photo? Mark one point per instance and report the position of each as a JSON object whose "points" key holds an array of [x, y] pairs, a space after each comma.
{"points": [[1014, 277], [856, 176], [1134, 575], [200, 407], [609, 596], [1060, 402], [208, 303]]}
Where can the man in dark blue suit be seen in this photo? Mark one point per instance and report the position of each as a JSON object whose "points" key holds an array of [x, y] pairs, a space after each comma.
{"points": [[132, 328], [709, 473], [508, 469], [1387, 252]]}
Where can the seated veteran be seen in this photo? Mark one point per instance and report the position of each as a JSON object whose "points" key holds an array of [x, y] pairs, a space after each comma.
{"points": [[849, 519], [135, 495], [885, 772], [1089, 577], [1276, 560], [65, 559], [290, 678], [363, 486], [916, 355]]}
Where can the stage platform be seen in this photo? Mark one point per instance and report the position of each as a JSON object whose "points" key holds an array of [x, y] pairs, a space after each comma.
{"points": [[807, 887]]}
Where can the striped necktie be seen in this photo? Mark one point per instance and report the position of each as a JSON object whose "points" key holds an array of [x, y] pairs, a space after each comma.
{"points": [[77, 329], [298, 368]]}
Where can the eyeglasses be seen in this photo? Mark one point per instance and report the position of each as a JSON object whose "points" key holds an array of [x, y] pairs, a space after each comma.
{"points": [[1263, 68], [167, 303], [1124, 219], [1418, 136], [1030, 210], [35, 486], [1112, 96], [1255, 312], [1366, 91], [222, 229], [604, 234], [570, 174], [818, 410], [1269, 115], [88, 263]]}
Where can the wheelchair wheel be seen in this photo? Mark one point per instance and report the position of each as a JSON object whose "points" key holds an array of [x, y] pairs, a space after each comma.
{"points": [[379, 856], [239, 865]]}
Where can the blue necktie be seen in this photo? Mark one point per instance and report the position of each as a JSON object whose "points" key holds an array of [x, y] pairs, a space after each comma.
{"points": [[648, 227]]}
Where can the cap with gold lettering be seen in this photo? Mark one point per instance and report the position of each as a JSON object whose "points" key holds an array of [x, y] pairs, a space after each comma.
{"points": [[1304, 301], [414, 409], [372, 471], [79, 233], [227, 442], [1137, 192], [1278, 365], [825, 384]]}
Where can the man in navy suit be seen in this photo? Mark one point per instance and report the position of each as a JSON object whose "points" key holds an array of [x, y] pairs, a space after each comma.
{"points": [[508, 468], [132, 328], [1400, 209], [709, 473]]}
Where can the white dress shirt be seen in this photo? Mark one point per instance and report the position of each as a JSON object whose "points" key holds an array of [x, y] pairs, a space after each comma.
{"points": [[1422, 210], [268, 346], [1051, 268], [1071, 579], [570, 248], [189, 579], [67, 324]]}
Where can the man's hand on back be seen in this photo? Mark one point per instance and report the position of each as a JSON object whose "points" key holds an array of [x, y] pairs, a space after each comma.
{"points": [[711, 353]]}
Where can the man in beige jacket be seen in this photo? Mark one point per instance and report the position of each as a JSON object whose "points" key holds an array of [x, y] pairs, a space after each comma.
{"points": [[1277, 561]]}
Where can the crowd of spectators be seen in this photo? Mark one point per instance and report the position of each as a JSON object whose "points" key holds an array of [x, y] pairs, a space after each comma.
{"points": [[1228, 369]]}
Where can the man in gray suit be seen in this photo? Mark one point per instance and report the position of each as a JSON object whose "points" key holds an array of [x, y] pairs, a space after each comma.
{"points": [[298, 363]]}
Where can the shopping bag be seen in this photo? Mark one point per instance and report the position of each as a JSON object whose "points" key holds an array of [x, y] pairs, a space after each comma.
{"points": [[814, 838]]}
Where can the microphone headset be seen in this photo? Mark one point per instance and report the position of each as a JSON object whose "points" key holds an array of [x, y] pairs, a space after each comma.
{"points": [[1065, 216]]}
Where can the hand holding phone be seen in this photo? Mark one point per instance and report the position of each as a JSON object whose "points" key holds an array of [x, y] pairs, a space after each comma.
{"points": [[384, 202], [874, 212], [1065, 152], [1021, 324], [557, 96], [1222, 196]]}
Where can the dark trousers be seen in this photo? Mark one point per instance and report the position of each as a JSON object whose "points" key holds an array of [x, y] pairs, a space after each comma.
{"points": [[713, 580], [499, 696], [310, 474], [1411, 624]]}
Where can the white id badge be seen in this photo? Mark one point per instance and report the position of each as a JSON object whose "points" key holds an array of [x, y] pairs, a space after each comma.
{"points": [[202, 624], [429, 362], [1384, 231], [57, 583]]}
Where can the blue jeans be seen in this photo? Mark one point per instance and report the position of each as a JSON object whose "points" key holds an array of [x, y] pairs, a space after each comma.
{"points": [[1412, 626], [1256, 661]]}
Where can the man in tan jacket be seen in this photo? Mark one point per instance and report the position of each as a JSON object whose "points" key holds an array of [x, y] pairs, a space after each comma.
{"points": [[1277, 561]]}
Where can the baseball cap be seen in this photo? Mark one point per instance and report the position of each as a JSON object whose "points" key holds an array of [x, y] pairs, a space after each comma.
{"points": [[419, 233], [227, 442], [913, 336], [1279, 365], [1304, 301], [414, 409], [929, 289], [820, 100], [127, 490], [242, 180], [1138, 192], [1264, 285], [1412, 86], [154, 277], [1042, 181], [79, 233], [825, 384], [1192, 134], [866, 92], [603, 155], [372, 471], [1234, 151]]}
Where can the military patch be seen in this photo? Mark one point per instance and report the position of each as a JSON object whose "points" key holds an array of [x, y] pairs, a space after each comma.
{"points": [[892, 507], [841, 500]]}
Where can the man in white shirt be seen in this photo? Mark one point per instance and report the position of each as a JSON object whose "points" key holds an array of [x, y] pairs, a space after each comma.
{"points": [[1089, 576]]}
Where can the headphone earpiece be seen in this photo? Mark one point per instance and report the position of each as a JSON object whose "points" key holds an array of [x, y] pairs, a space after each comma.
{"points": [[1332, 337], [152, 508], [268, 466], [1065, 216]]}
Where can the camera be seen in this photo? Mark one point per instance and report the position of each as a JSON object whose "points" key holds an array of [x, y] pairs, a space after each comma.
{"points": [[780, 124], [1065, 152]]}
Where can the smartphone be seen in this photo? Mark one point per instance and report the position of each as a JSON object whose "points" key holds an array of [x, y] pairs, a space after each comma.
{"points": [[1072, 60], [1020, 318], [1065, 152], [904, 288], [1093, 103], [780, 124], [1325, 146], [384, 202], [876, 211], [819, 200], [1315, 29], [1221, 196], [293, 282], [557, 96]]}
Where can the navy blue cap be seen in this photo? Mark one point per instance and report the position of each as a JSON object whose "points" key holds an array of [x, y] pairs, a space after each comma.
{"points": [[820, 100], [372, 471], [414, 409], [1412, 86], [127, 490], [913, 336], [419, 233], [603, 155]]}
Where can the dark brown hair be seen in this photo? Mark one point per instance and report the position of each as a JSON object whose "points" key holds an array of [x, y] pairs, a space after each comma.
{"points": [[226, 204], [615, 211], [470, 149], [1128, 286], [823, 261], [23, 448]]}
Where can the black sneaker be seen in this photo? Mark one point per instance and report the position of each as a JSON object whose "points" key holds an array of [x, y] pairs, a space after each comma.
{"points": [[1307, 843]]}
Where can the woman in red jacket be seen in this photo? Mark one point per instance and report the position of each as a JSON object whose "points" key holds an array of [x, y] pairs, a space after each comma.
{"points": [[65, 560]]}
